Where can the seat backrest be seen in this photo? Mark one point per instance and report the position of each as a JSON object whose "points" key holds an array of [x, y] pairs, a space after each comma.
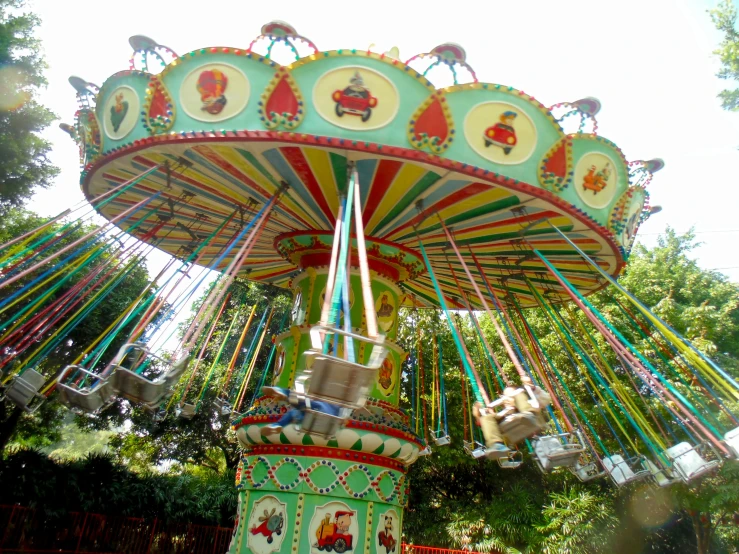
{"points": [[34, 379], [617, 467], [686, 458], [339, 381]]}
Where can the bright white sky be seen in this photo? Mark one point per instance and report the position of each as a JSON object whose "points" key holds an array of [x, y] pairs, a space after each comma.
{"points": [[650, 63]]}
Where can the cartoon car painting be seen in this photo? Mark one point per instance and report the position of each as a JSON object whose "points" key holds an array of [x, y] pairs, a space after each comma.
{"points": [[502, 134], [354, 99]]}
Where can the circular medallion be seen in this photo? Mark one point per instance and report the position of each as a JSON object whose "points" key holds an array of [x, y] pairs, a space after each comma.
{"points": [[500, 132], [120, 113], [356, 98], [595, 179], [385, 309], [214, 92]]}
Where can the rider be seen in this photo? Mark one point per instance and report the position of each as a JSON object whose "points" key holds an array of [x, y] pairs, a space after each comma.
{"points": [[299, 405]]}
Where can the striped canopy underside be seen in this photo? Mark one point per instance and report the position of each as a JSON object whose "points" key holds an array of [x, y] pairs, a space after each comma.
{"points": [[483, 216]]}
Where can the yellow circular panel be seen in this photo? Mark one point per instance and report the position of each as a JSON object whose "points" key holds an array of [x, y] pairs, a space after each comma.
{"points": [[214, 92], [356, 98], [595, 179], [121, 112], [500, 132]]}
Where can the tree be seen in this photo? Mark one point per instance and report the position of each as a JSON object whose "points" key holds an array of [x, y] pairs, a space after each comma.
{"points": [[23, 153], [724, 18], [42, 428]]}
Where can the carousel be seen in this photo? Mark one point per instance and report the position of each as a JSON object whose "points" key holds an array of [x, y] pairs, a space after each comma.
{"points": [[350, 179]]}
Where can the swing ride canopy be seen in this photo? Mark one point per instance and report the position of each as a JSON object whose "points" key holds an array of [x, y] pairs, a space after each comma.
{"points": [[226, 128]]}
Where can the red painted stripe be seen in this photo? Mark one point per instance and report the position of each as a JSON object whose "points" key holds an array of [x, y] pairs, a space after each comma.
{"points": [[385, 174], [326, 452], [295, 158], [465, 193]]}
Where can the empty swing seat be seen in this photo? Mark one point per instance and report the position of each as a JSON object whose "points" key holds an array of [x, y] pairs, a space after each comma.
{"points": [[662, 477], [688, 462], [551, 452], [586, 471], [441, 438], [23, 390], [338, 381], [186, 411], [136, 387], [621, 471], [732, 441], [223, 406], [88, 399]]}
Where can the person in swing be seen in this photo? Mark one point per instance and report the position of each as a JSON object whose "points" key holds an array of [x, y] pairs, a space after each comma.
{"points": [[487, 420], [299, 404], [522, 401]]}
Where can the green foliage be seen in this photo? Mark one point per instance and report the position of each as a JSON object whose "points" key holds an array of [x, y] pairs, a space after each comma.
{"points": [[577, 520], [724, 18], [98, 484], [23, 153]]}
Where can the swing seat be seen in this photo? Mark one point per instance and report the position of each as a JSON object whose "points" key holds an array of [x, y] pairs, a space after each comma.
{"points": [[440, 438], [322, 424], [587, 471], [186, 411], [688, 462], [425, 452], [512, 461], [662, 477], [90, 399], [23, 390], [621, 471], [551, 452], [223, 405], [136, 387], [338, 381], [517, 427], [732, 441]]}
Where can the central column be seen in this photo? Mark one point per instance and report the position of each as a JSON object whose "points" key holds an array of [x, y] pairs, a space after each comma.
{"points": [[299, 493]]}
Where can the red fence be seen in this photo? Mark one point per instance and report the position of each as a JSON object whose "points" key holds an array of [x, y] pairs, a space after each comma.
{"points": [[28, 530]]}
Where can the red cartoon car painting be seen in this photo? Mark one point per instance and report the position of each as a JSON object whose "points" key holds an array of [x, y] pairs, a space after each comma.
{"points": [[502, 134], [354, 99]]}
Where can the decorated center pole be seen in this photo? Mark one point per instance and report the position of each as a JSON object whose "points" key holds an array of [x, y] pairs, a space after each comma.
{"points": [[299, 493]]}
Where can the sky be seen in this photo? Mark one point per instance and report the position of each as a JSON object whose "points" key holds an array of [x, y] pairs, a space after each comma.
{"points": [[649, 62]]}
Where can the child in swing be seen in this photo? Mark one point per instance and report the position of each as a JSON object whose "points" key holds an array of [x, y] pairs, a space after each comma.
{"points": [[299, 405]]}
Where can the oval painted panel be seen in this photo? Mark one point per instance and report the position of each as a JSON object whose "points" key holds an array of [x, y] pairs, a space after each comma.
{"points": [[596, 180], [500, 132], [356, 98], [385, 309], [214, 92], [386, 376], [121, 112], [632, 218]]}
